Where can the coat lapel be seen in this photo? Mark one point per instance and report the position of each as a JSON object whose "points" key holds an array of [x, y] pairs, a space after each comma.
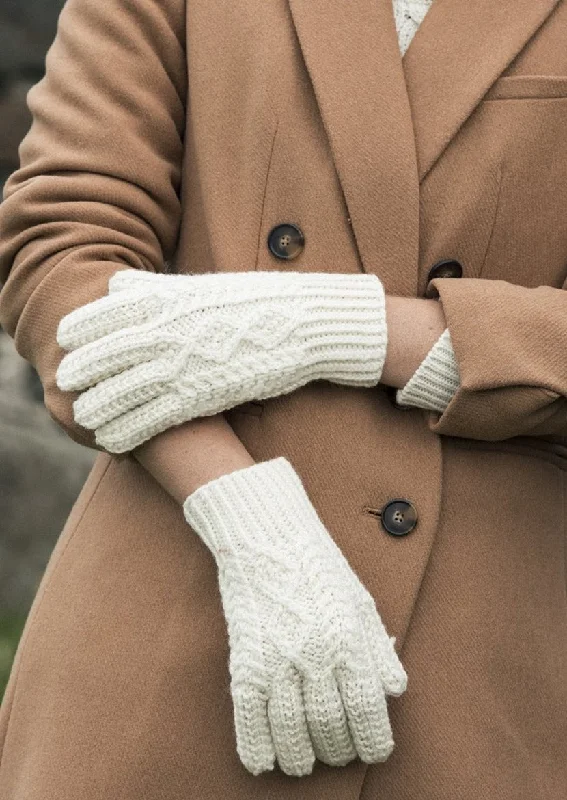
{"points": [[389, 119], [459, 50], [351, 51]]}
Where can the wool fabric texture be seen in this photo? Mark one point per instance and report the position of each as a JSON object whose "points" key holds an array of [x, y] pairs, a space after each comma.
{"points": [[436, 379], [160, 350], [310, 660], [167, 132], [160, 391]]}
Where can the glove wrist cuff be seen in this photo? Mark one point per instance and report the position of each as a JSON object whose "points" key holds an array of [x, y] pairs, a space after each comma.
{"points": [[233, 511], [344, 327]]}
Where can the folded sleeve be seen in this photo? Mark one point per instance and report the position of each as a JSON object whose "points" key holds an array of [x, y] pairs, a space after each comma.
{"points": [[510, 346], [436, 379], [98, 184]]}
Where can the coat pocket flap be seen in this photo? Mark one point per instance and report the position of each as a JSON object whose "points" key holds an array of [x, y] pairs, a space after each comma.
{"points": [[518, 87]]}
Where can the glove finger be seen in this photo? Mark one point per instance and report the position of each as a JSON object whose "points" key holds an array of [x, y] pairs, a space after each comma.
{"points": [[365, 705], [142, 423], [253, 737], [290, 733], [109, 356], [391, 670], [327, 721], [121, 393], [385, 658], [95, 320]]}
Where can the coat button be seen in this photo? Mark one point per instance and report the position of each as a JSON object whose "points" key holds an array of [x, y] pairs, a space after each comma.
{"points": [[446, 268], [286, 240], [398, 517]]}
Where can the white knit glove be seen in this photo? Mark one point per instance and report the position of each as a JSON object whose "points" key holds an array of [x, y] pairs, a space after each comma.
{"points": [[310, 660], [160, 350]]}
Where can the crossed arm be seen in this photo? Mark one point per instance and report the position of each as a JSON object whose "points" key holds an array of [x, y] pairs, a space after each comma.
{"points": [[61, 240], [189, 455]]}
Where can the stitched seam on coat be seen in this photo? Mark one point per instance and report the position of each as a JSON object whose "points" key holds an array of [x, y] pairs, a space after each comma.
{"points": [[525, 97], [437, 523], [34, 617], [494, 219], [265, 192]]}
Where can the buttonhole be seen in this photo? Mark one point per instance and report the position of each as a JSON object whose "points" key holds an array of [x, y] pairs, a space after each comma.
{"points": [[376, 512]]}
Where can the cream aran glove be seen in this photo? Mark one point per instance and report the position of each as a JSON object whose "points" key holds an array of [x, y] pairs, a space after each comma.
{"points": [[160, 350], [310, 660]]}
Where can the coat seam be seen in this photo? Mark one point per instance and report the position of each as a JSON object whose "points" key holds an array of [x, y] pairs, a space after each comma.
{"points": [[411, 616], [265, 192], [494, 219]]}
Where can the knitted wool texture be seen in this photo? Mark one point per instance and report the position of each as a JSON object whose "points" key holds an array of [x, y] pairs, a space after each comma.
{"points": [[436, 379], [165, 384], [310, 660], [408, 15], [160, 350]]}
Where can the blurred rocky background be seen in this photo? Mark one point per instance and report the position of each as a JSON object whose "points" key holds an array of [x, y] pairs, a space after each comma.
{"points": [[41, 469]]}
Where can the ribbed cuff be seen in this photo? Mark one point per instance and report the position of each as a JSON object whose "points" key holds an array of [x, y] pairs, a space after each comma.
{"points": [[341, 317], [435, 381], [344, 327], [251, 506]]}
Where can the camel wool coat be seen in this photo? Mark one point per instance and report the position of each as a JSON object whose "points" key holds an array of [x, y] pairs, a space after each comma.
{"points": [[176, 136]]}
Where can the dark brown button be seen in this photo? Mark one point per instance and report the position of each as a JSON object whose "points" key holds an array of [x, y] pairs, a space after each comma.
{"points": [[398, 517], [391, 392], [446, 268], [286, 240]]}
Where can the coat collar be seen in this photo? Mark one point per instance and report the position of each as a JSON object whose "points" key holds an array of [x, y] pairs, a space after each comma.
{"points": [[389, 119]]}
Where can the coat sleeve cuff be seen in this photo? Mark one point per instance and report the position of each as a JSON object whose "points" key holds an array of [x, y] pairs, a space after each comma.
{"points": [[435, 381], [509, 342]]}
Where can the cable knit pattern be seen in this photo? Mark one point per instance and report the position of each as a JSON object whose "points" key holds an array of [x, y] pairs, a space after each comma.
{"points": [[436, 379], [310, 660], [160, 350], [174, 347]]}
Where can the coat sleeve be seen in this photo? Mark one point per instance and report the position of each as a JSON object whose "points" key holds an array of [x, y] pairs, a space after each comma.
{"points": [[98, 185], [510, 345]]}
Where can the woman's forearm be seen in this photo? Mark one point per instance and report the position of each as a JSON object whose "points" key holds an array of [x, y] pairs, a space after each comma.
{"points": [[414, 325], [187, 456]]}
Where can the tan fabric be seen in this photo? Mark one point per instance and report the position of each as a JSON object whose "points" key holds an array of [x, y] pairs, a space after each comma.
{"points": [[165, 134]]}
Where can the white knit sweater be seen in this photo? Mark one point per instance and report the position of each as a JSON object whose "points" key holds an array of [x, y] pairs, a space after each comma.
{"points": [[408, 15]]}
